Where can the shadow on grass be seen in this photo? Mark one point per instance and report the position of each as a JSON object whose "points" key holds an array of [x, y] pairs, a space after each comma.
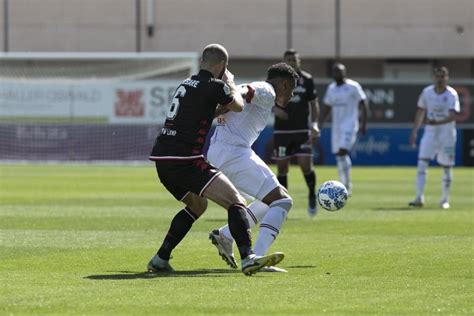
{"points": [[131, 275], [303, 267], [397, 208]]}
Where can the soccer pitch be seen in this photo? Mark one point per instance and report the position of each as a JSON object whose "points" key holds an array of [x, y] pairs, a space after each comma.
{"points": [[75, 239]]}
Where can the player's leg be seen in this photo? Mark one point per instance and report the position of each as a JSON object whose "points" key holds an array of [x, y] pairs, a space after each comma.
{"points": [[254, 178], [446, 159], [336, 135], [421, 173], [222, 237], [446, 182], [283, 166], [425, 154], [263, 184], [306, 166], [174, 175], [224, 156], [342, 142], [282, 155], [223, 192], [344, 165], [280, 203], [180, 226], [304, 153], [255, 212]]}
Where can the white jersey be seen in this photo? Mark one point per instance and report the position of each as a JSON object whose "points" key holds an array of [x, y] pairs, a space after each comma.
{"points": [[243, 128], [438, 105], [344, 101]]}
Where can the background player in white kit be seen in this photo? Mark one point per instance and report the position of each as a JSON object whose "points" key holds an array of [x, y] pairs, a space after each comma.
{"points": [[230, 150], [344, 97], [438, 103]]}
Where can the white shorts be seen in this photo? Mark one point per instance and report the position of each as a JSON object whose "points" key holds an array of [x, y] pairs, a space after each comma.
{"points": [[342, 138], [439, 141], [250, 175]]}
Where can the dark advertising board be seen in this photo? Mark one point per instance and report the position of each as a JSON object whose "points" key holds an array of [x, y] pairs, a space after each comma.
{"points": [[397, 103], [468, 147], [380, 146]]}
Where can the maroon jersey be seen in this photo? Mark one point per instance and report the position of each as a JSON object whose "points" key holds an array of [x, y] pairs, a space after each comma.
{"points": [[190, 116]]}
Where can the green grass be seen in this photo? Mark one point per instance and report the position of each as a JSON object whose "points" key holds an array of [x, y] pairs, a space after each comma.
{"points": [[75, 239]]}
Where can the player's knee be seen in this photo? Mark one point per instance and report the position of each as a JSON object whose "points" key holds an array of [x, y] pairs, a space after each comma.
{"points": [[285, 203], [422, 166], [306, 169], [199, 206], [342, 152], [241, 199], [235, 198]]}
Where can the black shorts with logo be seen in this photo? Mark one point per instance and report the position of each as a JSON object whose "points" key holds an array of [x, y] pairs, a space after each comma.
{"points": [[286, 145], [185, 175]]}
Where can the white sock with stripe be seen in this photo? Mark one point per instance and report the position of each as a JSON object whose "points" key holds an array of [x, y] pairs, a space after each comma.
{"points": [[271, 224]]}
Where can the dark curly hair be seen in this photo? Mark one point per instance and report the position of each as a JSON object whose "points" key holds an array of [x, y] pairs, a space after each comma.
{"points": [[281, 70]]}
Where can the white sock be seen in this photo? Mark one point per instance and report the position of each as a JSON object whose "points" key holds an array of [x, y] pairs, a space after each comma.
{"points": [[446, 182], [255, 212], [347, 170], [341, 167], [271, 224], [421, 178]]}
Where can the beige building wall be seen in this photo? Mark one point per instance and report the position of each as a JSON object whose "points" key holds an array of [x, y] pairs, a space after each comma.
{"points": [[254, 31], [72, 25], [407, 28], [249, 28]]}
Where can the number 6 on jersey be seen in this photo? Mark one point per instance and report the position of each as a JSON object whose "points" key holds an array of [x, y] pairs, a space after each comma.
{"points": [[180, 92]]}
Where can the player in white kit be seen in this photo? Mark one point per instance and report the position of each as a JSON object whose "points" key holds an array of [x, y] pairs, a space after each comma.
{"points": [[230, 150], [344, 97], [437, 106]]}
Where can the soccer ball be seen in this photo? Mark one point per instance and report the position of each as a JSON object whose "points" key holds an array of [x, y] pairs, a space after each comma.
{"points": [[332, 195]]}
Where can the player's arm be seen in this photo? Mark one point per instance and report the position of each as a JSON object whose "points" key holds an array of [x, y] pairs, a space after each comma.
{"points": [[221, 109], [419, 117], [364, 111], [280, 112], [451, 117], [326, 110], [237, 104], [313, 103], [314, 111]]}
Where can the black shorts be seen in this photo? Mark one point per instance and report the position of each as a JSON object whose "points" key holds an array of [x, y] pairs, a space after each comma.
{"points": [[286, 145], [182, 176]]}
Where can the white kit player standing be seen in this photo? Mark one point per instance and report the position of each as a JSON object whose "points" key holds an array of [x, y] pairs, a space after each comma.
{"points": [[230, 150], [343, 98], [438, 103]]}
